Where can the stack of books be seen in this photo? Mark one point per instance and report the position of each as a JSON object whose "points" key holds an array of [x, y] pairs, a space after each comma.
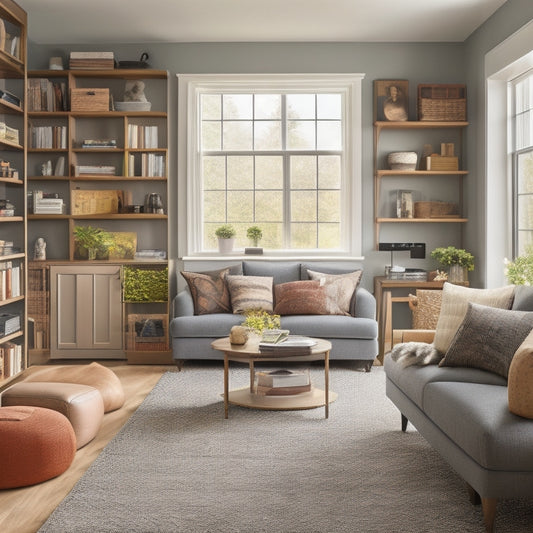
{"points": [[45, 203], [290, 345], [282, 382], [92, 60], [9, 324], [99, 143], [104, 170], [46, 95], [10, 359], [9, 134], [9, 280]]}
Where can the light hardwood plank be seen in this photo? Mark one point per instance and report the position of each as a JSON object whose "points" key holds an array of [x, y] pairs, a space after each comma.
{"points": [[24, 510]]}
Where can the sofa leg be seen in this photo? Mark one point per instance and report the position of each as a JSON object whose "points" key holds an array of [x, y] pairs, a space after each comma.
{"points": [[489, 513], [368, 366], [179, 364], [404, 423]]}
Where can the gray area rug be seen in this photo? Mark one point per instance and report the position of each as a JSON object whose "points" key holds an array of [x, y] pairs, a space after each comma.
{"points": [[179, 466]]}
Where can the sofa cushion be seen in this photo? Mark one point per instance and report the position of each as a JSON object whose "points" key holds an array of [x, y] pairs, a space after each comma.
{"points": [[250, 293], [209, 326], [300, 298], [209, 291], [455, 299], [330, 326], [488, 338], [476, 417], [523, 298], [340, 289], [413, 380], [281, 272], [520, 381]]}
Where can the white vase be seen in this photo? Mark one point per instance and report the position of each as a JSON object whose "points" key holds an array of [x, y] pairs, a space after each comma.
{"points": [[225, 246]]}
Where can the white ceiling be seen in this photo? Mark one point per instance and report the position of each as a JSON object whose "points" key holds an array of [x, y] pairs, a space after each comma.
{"points": [[148, 21]]}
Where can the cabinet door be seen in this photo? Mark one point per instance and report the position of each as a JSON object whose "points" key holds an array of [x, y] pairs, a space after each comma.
{"points": [[86, 314]]}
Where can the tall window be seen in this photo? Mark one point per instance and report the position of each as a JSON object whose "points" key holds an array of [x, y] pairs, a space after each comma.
{"points": [[278, 153], [522, 121]]}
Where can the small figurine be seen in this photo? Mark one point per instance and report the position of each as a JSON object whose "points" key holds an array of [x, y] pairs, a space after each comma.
{"points": [[39, 251], [134, 91]]}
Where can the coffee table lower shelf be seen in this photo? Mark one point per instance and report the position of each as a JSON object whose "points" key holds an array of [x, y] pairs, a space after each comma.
{"points": [[304, 400]]}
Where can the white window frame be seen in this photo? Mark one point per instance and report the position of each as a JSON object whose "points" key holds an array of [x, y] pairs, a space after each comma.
{"points": [[189, 87]]}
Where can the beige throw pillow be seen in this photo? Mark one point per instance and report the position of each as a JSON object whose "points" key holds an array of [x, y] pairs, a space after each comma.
{"points": [[340, 289], [520, 380], [250, 293], [455, 300]]}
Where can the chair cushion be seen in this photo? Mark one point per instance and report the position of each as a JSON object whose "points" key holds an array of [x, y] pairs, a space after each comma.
{"points": [[250, 293], [300, 298], [520, 380], [94, 375], [209, 291]]}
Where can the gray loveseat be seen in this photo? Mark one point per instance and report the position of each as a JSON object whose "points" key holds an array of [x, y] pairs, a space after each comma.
{"points": [[352, 337], [464, 414]]}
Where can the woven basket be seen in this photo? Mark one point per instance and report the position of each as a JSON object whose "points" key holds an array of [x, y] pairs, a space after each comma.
{"points": [[442, 102], [425, 307], [435, 209]]}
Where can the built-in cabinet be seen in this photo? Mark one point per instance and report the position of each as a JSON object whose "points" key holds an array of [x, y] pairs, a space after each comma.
{"points": [[96, 160], [453, 179], [13, 259]]}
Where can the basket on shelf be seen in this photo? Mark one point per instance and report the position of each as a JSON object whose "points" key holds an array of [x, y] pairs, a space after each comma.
{"points": [[442, 102], [147, 332], [436, 210]]}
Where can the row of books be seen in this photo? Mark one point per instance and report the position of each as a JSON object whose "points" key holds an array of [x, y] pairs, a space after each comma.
{"points": [[88, 170], [143, 136], [10, 280], [99, 143], [7, 248], [46, 95], [10, 359], [282, 382], [9, 134], [146, 165], [45, 203], [92, 60], [54, 137]]}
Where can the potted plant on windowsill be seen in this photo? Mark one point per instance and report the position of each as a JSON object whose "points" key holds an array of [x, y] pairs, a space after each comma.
{"points": [[226, 238], [458, 260], [255, 234]]}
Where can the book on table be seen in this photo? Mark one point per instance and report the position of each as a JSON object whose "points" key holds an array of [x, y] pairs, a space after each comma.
{"points": [[290, 345], [282, 382], [274, 336]]}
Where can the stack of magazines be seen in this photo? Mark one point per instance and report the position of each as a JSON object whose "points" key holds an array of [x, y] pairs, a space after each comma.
{"points": [[285, 344], [282, 382]]}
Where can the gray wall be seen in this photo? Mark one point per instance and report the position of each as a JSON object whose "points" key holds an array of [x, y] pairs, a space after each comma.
{"points": [[416, 62]]}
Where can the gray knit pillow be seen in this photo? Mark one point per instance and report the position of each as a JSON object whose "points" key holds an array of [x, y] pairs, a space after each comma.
{"points": [[488, 338], [250, 292]]}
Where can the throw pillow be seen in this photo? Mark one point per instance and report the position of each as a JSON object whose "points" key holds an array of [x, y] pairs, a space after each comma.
{"points": [[300, 298], [520, 380], [209, 291], [455, 299], [488, 338], [340, 289], [250, 293]]}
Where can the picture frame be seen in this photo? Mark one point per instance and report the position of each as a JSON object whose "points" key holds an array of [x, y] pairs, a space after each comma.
{"points": [[391, 100], [404, 204]]}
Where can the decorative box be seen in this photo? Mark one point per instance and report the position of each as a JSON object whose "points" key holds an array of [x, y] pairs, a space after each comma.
{"points": [[147, 333], [89, 100], [444, 102]]}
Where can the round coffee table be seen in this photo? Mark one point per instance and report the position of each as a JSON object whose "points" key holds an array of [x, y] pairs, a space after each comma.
{"points": [[246, 397]]}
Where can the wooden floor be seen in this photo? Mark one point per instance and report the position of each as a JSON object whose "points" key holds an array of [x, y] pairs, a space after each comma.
{"points": [[24, 510]]}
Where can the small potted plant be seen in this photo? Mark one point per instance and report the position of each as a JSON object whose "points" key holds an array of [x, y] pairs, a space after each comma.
{"points": [[255, 234], [458, 260], [89, 238], [226, 238]]}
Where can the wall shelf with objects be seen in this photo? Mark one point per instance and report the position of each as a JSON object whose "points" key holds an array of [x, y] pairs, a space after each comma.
{"points": [[100, 162], [13, 258], [426, 210]]}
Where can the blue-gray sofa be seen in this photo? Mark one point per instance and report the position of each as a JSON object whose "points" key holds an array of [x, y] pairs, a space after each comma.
{"points": [[352, 337], [464, 414]]}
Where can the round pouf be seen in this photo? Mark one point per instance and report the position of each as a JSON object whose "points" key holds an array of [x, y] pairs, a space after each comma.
{"points": [[36, 444], [82, 405]]}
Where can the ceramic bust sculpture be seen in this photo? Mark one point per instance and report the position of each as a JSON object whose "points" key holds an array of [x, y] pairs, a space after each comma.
{"points": [[39, 252], [134, 91]]}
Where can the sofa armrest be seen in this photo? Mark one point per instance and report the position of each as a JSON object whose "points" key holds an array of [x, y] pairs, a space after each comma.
{"points": [[183, 304], [365, 304]]}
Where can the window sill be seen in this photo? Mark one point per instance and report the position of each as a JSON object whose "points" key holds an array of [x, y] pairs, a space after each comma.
{"points": [[266, 257]]}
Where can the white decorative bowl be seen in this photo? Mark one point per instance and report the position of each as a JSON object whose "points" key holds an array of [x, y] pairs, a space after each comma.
{"points": [[133, 106], [402, 160]]}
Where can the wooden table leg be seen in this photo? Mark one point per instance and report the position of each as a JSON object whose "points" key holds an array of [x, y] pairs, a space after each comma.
{"points": [[326, 383], [226, 385], [252, 376]]}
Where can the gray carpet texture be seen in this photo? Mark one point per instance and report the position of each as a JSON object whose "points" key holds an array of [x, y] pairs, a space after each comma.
{"points": [[178, 466]]}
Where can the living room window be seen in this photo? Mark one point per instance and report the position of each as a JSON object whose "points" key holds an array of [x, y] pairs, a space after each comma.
{"points": [[281, 152], [522, 152]]}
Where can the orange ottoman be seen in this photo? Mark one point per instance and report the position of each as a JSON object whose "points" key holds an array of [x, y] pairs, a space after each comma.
{"points": [[36, 444], [81, 404]]}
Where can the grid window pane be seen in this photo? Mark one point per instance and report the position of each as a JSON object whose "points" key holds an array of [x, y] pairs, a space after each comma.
{"points": [[329, 106], [214, 172], [214, 206], [237, 135], [303, 206], [267, 106], [269, 206], [240, 172], [329, 236], [303, 172], [329, 206], [211, 136], [237, 106], [267, 135], [211, 106], [301, 135], [329, 172], [328, 135], [301, 106], [240, 206], [268, 172], [303, 236]]}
